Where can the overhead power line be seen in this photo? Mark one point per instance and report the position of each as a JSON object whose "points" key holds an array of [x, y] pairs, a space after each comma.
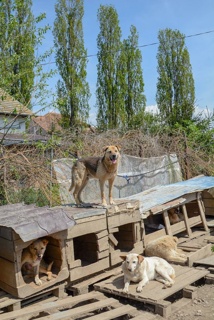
{"points": [[144, 45]]}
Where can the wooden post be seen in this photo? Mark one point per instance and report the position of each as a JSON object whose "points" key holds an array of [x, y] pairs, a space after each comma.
{"points": [[167, 223], [201, 211], [188, 229]]}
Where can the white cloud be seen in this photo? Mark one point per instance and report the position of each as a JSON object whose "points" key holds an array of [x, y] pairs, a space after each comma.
{"points": [[152, 108]]}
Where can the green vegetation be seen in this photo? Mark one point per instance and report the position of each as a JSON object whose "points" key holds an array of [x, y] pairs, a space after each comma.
{"points": [[71, 58], [26, 172], [22, 75]]}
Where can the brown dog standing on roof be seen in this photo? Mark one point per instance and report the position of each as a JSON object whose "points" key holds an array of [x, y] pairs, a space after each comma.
{"points": [[101, 168]]}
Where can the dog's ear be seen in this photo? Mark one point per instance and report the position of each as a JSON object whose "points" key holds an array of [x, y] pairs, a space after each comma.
{"points": [[123, 258], [105, 148], [45, 242], [140, 258], [118, 147]]}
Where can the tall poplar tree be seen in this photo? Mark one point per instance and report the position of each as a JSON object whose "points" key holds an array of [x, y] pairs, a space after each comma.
{"points": [[133, 86], [17, 44], [71, 59], [175, 87], [109, 102]]}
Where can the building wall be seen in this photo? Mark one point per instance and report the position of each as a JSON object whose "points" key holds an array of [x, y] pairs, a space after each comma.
{"points": [[15, 125]]}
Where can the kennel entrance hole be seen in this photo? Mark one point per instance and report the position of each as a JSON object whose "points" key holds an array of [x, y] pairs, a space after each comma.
{"points": [[52, 253], [125, 237], [85, 249]]}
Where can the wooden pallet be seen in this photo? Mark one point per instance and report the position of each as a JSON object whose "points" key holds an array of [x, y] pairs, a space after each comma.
{"points": [[8, 302], [11, 303], [84, 286], [154, 294], [93, 306]]}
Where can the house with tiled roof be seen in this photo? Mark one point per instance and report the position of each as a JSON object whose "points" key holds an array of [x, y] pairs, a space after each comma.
{"points": [[13, 114], [45, 125]]}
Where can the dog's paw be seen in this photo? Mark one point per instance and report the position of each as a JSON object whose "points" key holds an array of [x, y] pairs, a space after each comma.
{"points": [[38, 282], [139, 288], [125, 290], [168, 284]]}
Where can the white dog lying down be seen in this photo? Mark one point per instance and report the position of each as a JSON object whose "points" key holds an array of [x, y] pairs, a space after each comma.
{"points": [[141, 269]]}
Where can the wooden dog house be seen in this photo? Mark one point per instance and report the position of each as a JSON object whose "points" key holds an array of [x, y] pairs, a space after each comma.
{"points": [[124, 228], [20, 225], [87, 248]]}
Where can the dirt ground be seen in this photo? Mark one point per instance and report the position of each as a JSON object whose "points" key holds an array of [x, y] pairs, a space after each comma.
{"points": [[201, 307]]}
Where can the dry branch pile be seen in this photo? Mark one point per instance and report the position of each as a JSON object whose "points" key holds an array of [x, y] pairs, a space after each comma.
{"points": [[25, 167]]}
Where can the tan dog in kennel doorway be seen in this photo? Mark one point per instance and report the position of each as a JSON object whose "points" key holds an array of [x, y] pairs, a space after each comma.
{"points": [[101, 168], [32, 260]]}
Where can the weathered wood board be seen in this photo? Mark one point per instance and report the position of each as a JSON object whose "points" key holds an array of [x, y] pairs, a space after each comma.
{"points": [[207, 262], [93, 305]]}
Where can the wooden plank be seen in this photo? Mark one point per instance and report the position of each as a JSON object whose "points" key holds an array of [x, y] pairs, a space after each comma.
{"points": [[136, 231], [124, 310], [80, 311], [75, 264], [102, 254], [113, 239], [103, 244], [7, 249], [82, 287], [181, 282], [8, 273], [208, 261], [210, 239], [184, 211], [89, 270], [122, 219], [167, 223], [201, 253], [88, 227], [166, 206], [8, 300], [201, 210], [8, 233], [101, 234], [62, 303]]}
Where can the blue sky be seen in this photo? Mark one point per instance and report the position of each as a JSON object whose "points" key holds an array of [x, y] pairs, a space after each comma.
{"points": [[190, 17]]}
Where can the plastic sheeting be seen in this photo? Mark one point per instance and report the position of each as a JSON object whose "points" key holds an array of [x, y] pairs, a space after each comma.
{"points": [[134, 176]]}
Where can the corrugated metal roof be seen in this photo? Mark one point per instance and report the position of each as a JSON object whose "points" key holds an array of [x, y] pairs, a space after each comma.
{"points": [[8, 105], [163, 194], [31, 222]]}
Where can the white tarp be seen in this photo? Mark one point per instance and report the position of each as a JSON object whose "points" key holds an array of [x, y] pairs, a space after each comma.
{"points": [[134, 176]]}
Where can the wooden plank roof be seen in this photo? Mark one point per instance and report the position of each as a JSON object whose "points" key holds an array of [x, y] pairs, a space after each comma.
{"points": [[31, 222], [8, 105]]}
